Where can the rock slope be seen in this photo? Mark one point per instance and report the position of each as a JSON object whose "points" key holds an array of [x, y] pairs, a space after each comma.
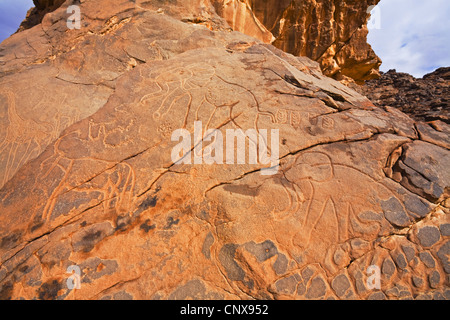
{"points": [[89, 183]]}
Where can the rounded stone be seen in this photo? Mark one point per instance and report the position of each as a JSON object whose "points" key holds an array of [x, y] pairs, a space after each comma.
{"points": [[434, 279], [428, 236], [340, 284], [418, 282], [445, 229], [377, 296], [427, 259]]}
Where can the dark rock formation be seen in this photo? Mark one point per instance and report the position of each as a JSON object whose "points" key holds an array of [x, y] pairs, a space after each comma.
{"points": [[426, 99]]}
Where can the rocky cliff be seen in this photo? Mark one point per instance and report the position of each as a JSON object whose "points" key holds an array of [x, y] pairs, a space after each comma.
{"points": [[426, 99], [332, 32], [94, 205]]}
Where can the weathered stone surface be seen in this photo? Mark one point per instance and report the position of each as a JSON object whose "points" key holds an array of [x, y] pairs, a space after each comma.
{"points": [[443, 254], [421, 168], [340, 285], [332, 32], [356, 185], [377, 296], [427, 259], [445, 229]]}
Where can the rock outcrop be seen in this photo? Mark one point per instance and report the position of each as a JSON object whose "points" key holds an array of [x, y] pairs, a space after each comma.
{"points": [[426, 99], [37, 13], [94, 206], [332, 32]]}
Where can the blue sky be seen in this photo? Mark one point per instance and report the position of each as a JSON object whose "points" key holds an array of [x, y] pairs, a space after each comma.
{"points": [[414, 35], [12, 13]]}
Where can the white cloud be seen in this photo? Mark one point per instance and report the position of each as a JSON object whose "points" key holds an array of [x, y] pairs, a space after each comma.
{"points": [[414, 36]]}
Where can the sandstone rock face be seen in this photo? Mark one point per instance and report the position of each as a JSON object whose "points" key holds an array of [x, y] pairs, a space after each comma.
{"points": [[332, 32], [93, 205], [426, 99]]}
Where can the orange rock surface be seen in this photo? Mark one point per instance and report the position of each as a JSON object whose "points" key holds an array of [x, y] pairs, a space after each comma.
{"points": [[92, 205]]}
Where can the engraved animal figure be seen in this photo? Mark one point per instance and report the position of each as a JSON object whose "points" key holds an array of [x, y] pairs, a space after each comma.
{"points": [[176, 84], [113, 188], [334, 198]]}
